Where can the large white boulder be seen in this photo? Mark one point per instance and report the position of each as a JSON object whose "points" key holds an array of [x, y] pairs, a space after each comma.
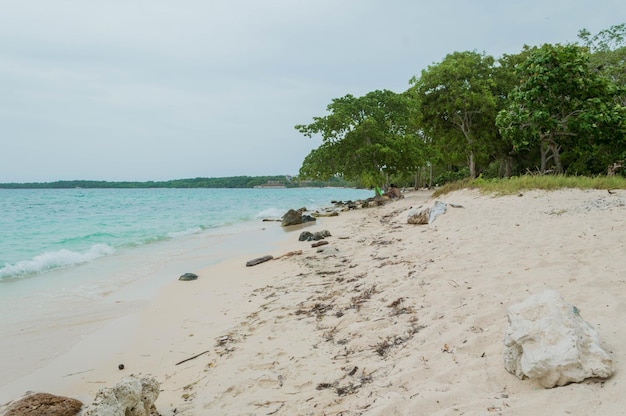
{"points": [[132, 396], [547, 340]]}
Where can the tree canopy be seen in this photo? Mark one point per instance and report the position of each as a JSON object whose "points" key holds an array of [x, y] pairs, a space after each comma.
{"points": [[560, 105], [364, 138], [549, 108], [458, 106]]}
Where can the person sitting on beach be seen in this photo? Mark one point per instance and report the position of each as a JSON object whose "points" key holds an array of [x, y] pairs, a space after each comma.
{"points": [[394, 192]]}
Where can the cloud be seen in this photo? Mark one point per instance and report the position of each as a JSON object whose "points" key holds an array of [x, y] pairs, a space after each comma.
{"points": [[143, 90]]}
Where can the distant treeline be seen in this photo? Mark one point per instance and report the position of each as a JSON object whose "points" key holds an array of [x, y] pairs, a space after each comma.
{"points": [[225, 182]]}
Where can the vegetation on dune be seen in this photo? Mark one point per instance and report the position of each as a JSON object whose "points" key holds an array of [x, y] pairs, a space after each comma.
{"points": [[518, 184], [550, 109]]}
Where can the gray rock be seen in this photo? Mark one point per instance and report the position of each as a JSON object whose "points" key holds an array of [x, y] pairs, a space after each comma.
{"points": [[426, 215], [188, 276], [548, 341], [44, 404], [309, 236], [292, 217], [130, 397], [418, 216], [438, 208]]}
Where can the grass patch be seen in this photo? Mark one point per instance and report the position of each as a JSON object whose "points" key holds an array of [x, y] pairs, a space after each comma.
{"points": [[517, 184]]}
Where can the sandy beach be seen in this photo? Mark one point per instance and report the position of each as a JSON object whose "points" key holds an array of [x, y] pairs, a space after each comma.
{"points": [[388, 318]]}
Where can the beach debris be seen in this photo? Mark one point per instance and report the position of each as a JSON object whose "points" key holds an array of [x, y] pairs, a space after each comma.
{"points": [[188, 276], [309, 236], [131, 396], [326, 214], [191, 358], [548, 341], [289, 254], [319, 243], [223, 339], [45, 404], [120, 367], [359, 380], [258, 260], [224, 344]]}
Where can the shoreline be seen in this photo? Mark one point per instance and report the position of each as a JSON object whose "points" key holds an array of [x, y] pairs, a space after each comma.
{"points": [[388, 318]]}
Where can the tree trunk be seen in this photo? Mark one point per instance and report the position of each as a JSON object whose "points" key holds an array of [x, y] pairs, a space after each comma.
{"points": [[557, 157], [544, 157], [472, 165]]}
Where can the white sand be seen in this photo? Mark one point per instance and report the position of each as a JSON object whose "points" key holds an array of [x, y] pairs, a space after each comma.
{"points": [[387, 319]]}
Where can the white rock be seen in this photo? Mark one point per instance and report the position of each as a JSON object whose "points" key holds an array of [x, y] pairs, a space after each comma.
{"points": [[130, 397], [438, 209], [548, 341]]}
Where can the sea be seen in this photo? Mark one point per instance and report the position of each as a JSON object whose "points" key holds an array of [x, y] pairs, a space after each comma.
{"points": [[73, 259]]}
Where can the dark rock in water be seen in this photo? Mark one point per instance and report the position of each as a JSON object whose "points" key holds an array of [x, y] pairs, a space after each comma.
{"points": [[292, 217], [121, 366], [188, 276], [40, 404], [308, 218], [305, 236]]}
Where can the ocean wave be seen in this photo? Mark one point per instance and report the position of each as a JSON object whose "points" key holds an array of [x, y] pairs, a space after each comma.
{"points": [[190, 231], [271, 213], [54, 260]]}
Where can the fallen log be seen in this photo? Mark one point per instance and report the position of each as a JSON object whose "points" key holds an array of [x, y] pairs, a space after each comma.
{"points": [[258, 260], [319, 243]]}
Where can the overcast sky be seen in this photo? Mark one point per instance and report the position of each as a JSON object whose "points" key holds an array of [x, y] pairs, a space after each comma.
{"points": [[157, 90]]}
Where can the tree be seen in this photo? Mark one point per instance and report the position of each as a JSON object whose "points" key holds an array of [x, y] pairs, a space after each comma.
{"points": [[458, 106], [560, 104], [363, 138], [608, 54]]}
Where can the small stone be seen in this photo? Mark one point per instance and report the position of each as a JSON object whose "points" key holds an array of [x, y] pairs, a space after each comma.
{"points": [[188, 276], [121, 366]]}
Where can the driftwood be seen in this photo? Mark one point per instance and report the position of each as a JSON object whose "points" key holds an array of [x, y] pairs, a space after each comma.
{"points": [[319, 243], [258, 260], [191, 358], [289, 254]]}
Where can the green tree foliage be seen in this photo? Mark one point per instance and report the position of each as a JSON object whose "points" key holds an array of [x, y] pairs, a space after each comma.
{"points": [[364, 138], [458, 106], [550, 107], [560, 105], [608, 54]]}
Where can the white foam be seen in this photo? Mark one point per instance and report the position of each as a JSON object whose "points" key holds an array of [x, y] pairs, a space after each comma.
{"points": [[54, 260], [190, 231], [271, 213]]}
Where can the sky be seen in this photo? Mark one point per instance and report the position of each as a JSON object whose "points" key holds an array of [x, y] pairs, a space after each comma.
{"points": [[143, 90]]}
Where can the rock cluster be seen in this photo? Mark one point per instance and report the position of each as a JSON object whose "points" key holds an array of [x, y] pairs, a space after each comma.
{"points": [[549, 341], [309, 236]]}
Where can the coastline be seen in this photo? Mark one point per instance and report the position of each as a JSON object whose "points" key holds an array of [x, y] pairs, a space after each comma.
{"points": [[388, 318]]}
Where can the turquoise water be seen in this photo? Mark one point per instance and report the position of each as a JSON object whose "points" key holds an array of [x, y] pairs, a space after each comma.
{"points": [[44, 230], [73, 260]]}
